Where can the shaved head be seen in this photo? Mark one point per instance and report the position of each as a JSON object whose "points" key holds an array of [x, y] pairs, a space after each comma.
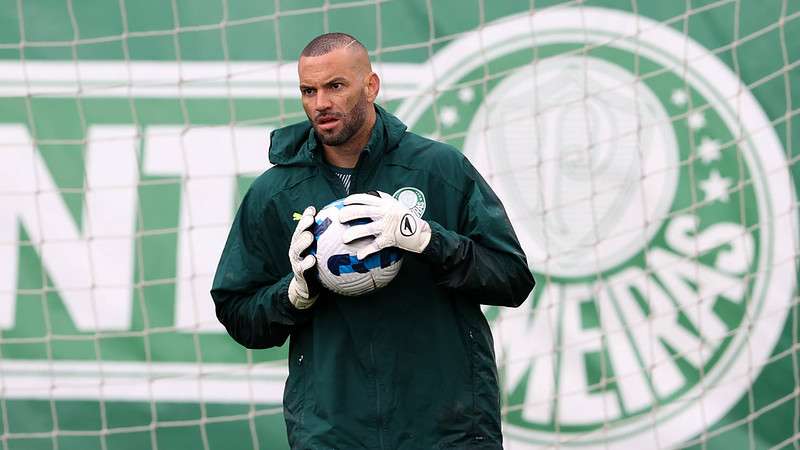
{"points": [[338, 88], [326, 43]]}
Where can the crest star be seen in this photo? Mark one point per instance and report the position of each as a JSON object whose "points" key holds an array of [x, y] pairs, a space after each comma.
{"points": [[448, 116], [679, 97], [696, 120], [708, 150], [466, 94], [716, 187]]}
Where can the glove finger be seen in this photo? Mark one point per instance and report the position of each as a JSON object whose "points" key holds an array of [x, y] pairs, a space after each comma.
{"points": [[304, 241], [307, 262], [300, 243], [359, 231], [304, 224], [302, 288], [306, 220], [355, 212], [298, 271], [373, 247], [302, 266], [362, 199]]}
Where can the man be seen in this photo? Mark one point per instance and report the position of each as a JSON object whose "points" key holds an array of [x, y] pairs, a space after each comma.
{"points": [[410, 366]]}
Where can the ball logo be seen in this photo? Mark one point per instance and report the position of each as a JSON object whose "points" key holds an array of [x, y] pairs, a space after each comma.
{"points": [[342, 263], [338, 266], [626, 191], [346, 263]]}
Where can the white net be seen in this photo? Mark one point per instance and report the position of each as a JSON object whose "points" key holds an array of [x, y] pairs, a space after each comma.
{"points": [[645, 151]]}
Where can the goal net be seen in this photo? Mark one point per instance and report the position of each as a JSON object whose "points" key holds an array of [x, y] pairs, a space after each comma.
{"points": [[646, 153]]}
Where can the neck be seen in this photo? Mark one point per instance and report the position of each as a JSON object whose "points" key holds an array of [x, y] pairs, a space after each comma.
{"points": [[346, 155]]}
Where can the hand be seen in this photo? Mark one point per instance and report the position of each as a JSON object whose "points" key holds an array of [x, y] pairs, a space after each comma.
{"points": [[393, 225], [300, 293]]}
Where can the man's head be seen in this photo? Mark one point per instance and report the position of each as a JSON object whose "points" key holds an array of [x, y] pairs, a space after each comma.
{"points": [[338, 87]]}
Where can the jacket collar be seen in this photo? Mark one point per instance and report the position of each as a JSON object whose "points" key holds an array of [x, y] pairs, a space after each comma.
{"points": [[297, 145]]}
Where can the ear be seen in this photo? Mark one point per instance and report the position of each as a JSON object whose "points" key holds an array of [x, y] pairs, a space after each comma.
{"points": [[372, 86]]}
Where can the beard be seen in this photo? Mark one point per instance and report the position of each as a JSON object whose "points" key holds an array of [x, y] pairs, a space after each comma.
{"points": [[352, 121]]}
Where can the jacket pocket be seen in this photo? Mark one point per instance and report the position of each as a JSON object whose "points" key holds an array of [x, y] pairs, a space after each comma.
{"points": [[485, 390], [294, 396], [463, 423]]}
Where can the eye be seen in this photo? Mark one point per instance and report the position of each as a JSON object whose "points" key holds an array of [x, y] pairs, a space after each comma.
{"points": [[337, 86], [307, 91]]}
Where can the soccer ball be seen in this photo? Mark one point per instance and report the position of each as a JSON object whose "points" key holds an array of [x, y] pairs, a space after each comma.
{"points": [[339, 268]]}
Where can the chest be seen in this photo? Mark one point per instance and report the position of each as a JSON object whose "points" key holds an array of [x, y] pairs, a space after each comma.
{"points": [[425, 194]]}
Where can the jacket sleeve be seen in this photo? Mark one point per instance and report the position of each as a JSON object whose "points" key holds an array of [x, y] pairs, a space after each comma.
{"points": [[250, 293], [482, 259]]}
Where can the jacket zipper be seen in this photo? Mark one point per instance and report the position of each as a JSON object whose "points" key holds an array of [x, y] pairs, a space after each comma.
{"points": [[358, 169], [377, 394], [334, 182]]}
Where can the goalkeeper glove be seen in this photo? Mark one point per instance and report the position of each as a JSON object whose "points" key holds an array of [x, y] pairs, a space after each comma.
{"points": [[301, 294], [393, 225]]}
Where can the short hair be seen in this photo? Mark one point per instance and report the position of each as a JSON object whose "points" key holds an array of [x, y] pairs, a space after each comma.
{"points": [[328, 42]]}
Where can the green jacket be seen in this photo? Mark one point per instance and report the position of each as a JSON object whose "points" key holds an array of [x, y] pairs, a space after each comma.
{"points": [[410, 366]]}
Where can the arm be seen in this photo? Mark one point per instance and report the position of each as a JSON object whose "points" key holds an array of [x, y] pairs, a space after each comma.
{"points": [[250, 291], [483, 258]]}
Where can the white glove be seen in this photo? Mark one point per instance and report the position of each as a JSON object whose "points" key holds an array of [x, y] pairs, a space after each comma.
{"points": [[393, 225], [299, 293]]}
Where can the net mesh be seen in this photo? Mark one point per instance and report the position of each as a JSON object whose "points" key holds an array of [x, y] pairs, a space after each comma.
{"points": [[645, 151]]}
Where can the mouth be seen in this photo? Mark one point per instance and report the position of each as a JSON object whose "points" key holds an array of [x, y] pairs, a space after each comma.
{"points": [[327, 122]]}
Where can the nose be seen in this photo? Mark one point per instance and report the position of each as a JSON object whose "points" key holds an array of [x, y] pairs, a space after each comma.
{"points": [[323, 101]]}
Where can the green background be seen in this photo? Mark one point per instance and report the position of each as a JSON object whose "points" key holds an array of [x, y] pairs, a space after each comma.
{"points": [[758, 40]]}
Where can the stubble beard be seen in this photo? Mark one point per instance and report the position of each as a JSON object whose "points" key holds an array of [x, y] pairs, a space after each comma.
{"points": [[352, 122]]}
